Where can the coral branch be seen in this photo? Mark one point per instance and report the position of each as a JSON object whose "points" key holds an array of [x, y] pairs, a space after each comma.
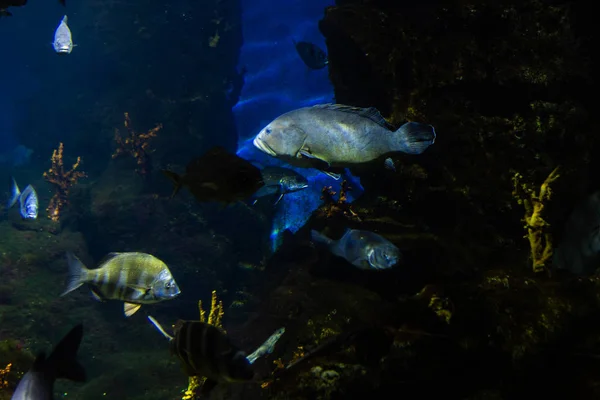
{"points": [[215, 317], [332, 207], [136, 145], [540, 241], [62, 181], [4, 376]]}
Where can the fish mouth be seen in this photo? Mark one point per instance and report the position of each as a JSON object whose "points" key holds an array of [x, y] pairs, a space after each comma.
{"points": [[262, 146]]}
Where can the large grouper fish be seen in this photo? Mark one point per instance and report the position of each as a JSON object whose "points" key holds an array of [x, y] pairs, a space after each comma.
{"points": [[335, 135]]}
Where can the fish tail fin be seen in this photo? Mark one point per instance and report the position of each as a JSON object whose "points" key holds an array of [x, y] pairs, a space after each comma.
{"points": [[14, 194], [159, 327], [175, 178], [415, 138], [320, 239], [78, 273], [63, 359]]}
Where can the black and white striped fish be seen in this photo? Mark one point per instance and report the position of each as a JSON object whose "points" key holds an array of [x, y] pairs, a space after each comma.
{"points": [[135, 278], [28, 200]]}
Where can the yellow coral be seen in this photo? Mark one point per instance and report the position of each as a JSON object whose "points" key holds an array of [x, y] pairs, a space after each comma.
{"points": [[540, 242], [215, 318], [3, 374]]}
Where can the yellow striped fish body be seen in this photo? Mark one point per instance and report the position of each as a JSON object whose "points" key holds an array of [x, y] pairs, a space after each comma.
{"points": [[135, 278], [206, 350]]}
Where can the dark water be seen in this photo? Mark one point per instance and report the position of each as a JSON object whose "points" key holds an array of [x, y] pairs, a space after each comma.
{"points": [[509, 87]]}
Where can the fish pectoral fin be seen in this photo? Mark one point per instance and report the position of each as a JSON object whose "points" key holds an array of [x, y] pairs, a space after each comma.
{"points": [[278, 199], [208, 386], [306, 153], [131, 309], [333, 175], [96, 296]]}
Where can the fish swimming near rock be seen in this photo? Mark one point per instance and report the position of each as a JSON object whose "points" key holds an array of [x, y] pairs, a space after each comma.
{"points": [[280, 181], [363, 249], [206, 350], [218, 176], [38, 382], [28, 200], [579, 249], [334, 135], [63, 40], [311, 54], [135, 278]]}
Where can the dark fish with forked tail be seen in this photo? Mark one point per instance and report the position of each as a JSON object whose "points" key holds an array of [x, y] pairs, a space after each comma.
{"points": [[218, 176], [38, 382], [4, 4], [206, 350], [311, 54], [334, 135]]}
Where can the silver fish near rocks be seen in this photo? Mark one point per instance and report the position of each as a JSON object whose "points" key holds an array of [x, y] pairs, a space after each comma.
{"points": [[363, 249], [334, 135], [63, 41], [38, 382], [28, 200], [135, 278], [579, 250], [281, 181]]}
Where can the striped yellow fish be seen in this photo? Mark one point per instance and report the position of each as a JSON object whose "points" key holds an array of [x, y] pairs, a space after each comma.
{"points": [[135, 278]]}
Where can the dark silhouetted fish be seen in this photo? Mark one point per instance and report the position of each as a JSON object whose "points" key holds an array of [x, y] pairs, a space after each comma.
{"points": [[206, 350], [311, 54], [219, 176], [4, 4], [38, 382]]}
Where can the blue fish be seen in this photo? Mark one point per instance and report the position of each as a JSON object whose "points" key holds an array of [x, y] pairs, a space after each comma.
{"points": [[28, 200], [363, 249]]}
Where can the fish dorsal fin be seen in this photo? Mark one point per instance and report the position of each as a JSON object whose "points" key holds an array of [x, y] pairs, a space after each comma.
{"points": [[107, 258], [370, 113]]}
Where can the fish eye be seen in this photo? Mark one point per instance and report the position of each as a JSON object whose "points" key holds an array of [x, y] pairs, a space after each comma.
{"points": [[169, 285], [268, 131]]}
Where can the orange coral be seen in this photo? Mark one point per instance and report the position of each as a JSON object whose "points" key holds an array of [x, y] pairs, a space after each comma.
{"points": [[136, 145], [62, 182], [332, 207], [3, 376]]}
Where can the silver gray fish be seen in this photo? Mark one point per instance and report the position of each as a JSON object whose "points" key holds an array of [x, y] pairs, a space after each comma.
{"points": [[363, 249], [389, 164], [334, 135], [135, 278], [311, 54], [38, 382], [28, 200], [63, 41], [267, 347], [281, 181], [579, 250]]}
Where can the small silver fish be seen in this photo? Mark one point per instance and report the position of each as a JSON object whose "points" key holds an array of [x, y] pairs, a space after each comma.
{"points": [[363, 249], [38, 382], [335, 135], [281, 181], [63, 41], [267, 347], [135, 278], [28, 200]]}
